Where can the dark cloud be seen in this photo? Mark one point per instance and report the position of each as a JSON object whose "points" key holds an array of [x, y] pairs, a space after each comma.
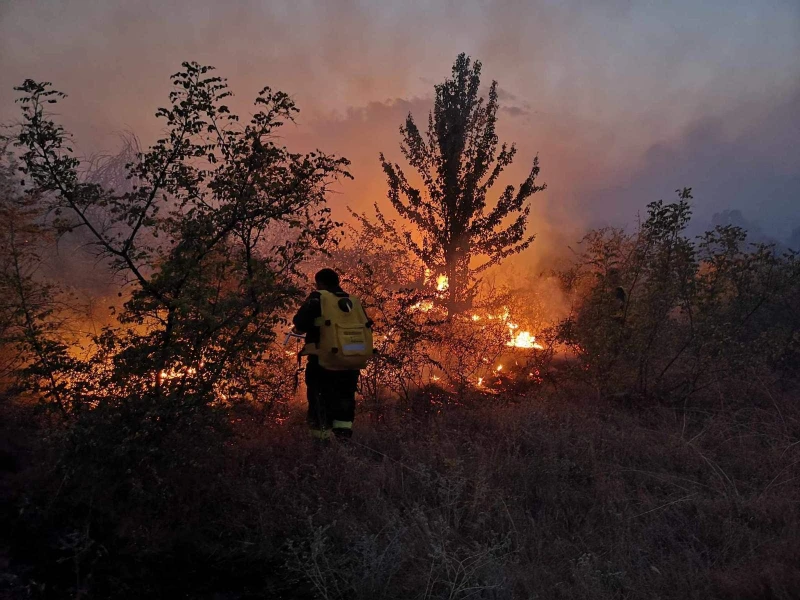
{"points": [[503, 94], [516, 111]]}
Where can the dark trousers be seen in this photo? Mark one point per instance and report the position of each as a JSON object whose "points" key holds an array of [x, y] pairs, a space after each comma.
{"points": [[331, 400]]}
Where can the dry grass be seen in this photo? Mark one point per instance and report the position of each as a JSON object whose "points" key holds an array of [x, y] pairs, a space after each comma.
{"points": [[549, 498], [546, 500]]}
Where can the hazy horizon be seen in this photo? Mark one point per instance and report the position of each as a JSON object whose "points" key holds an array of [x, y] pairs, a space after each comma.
{"points": [[622, 102]]}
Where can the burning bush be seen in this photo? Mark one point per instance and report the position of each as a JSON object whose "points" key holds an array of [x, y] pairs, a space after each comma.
{"points": [[378, 269], [420, 342]]}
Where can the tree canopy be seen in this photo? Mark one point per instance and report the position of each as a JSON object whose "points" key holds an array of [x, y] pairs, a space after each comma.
{"points": [[458, 162]]}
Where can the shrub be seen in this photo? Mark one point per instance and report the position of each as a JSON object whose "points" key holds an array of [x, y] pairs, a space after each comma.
{"points": [[657, 314]]}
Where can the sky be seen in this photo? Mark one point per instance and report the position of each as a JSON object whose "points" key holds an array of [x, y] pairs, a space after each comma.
{"points": [[624, 102]]}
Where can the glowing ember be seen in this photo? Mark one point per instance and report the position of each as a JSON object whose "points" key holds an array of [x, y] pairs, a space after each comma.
{"points": [[435, 378], [441, 283], [424, 306], [499, 368], [480, 381], [502, 316], [173, 373]]}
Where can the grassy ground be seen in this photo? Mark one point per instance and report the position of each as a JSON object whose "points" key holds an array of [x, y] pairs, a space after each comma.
{"points": [[546, 498]]}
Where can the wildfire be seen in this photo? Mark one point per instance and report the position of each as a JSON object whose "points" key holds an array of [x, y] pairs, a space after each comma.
{"points": [[178, 373], [523, 339], [517, 339], [423, 306], [173, 373], [441, 286], [503, 316]]}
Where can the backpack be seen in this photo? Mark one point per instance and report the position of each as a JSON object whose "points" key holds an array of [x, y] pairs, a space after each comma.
{"points": [[345, 334]]}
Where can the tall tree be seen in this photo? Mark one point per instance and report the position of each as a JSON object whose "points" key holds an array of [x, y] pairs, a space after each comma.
{"points": [[458, 162]]}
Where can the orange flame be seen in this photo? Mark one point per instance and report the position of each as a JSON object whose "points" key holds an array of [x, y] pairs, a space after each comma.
{"points": [[173, 373], [423, 306], [523, 339]]}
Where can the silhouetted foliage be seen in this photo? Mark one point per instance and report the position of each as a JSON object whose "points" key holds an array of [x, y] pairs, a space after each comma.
{"points": [[209, 235], [660, 314], [156, 473], [31, 310], [458, 162]]}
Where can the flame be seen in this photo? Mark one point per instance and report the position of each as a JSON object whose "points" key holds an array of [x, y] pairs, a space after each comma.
{"points": [[503, 316], [173, 373], [523, 339], [165, 376], [518, 339], [441, 286], [423, 306], [516, 336]]}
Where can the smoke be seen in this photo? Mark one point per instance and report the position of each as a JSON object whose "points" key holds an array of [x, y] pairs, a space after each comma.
{"points": [[755, 170], [622, 102]]}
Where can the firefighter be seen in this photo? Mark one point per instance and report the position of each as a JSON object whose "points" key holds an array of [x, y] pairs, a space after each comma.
{"points": [[338, 342]]}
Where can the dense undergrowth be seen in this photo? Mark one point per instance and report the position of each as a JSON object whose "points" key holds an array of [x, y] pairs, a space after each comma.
{"points": [[546, 497]]}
